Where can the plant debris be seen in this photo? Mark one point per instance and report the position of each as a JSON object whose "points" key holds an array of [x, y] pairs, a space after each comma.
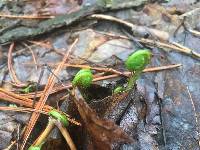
{"points": [[103, 132], [37, 67]]}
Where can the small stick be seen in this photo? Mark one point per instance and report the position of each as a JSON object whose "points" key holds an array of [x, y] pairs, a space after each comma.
{"points": [[66, 135], [45, 133], [10, 67], [26, 16], [10, 146], [21, 109], [93, 68], [140, 30], [59, 88], [43, 98], [33, 55], [173, 46], [195, 114], [162, 68], [28, 110], [55, 119], [17, 99], [194, 32]]}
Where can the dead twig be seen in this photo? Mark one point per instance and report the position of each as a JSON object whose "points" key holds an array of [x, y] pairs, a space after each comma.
{"points": [[195, 114], [171, 46], [66, 135], [137, 30], [102, 69], [12, 73], [43, 98], [194, 32], [33, 55], [161, 68], [186, 50], [26, 16], [190, 13], [21, 109], [145, 70], [111, 70], [59, 88], [92, 46], [24, 101], [10, 146], [18, 99]]}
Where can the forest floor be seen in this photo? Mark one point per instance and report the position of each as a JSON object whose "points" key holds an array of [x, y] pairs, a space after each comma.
{"points": [[43, 44]]}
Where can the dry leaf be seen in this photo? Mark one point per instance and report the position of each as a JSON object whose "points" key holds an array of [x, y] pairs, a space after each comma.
{"points": [[104, 132]]}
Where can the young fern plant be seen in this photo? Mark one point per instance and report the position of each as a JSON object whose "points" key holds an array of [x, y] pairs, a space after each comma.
{"points": [[83, 80], [54, 117], [136, 63]]}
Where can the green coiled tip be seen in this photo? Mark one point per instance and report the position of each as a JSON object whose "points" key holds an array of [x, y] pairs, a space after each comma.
{"points": [[83, 78], [61, 117], [34, 148], [138, 60]]}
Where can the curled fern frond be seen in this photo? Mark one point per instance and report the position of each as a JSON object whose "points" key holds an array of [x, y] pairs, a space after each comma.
{"points": [[136, 64], [83, 78], [138, 60]]}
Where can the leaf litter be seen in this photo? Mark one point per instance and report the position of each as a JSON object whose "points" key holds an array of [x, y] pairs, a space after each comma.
{"points": [[161, 112]]}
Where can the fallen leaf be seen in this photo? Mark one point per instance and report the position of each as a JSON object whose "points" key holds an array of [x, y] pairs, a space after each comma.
{"points": [[103, 132]]}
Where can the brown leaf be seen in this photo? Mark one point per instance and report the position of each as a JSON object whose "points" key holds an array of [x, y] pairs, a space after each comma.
{"points": [[104, 132]]}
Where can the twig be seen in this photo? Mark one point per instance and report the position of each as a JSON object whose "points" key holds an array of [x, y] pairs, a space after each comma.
{"points": [[26, 16], [19, 133], [161, 68], [111, 70], [195, 114], [194, 32], [10, 68], [33, 55], [145, 70], [21, 109], [50, 126], [18, 99], [190, 13], [138, 30], [97, 68], [21, 100], [45, 133], [172, 46], [59, 88], [186, 50], [66, 135], [10, 146], [44, 97], [182, 24]]}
